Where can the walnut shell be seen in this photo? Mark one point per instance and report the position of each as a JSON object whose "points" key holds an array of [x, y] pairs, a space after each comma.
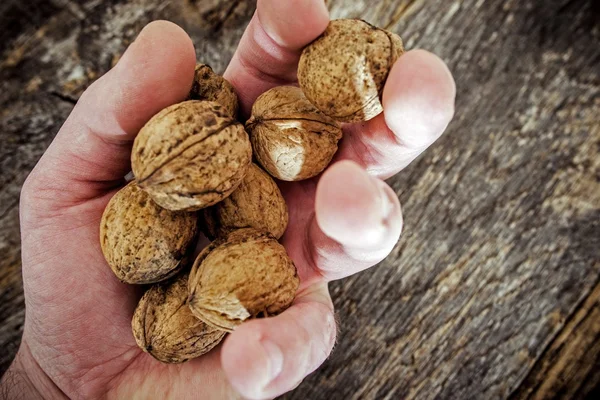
{"points": [[142, 242], [213, 87], [256, 203], [245, 274], [291, 139], [191, 155], [164, 326], [344, 71]]}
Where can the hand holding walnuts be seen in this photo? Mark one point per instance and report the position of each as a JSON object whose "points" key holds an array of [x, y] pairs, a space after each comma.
{"points": [[195, 156], [90, 139]]}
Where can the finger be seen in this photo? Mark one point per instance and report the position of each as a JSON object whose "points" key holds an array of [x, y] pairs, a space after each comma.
{"points": [[92, 148], [264, 358], [357, 223], [418, 102], [270, 48]]}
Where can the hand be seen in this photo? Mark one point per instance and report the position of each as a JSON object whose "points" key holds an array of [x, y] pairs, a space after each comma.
{"points": [[77, 338]]}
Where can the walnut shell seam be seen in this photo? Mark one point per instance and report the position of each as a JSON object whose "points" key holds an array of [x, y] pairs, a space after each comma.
{"points": [[181, 151]]}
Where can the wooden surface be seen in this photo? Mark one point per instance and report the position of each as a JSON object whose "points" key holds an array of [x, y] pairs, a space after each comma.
{"points": [[494, 289]]}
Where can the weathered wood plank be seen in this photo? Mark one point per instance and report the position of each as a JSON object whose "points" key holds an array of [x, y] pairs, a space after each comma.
{"points": [[571, 363], [493, 288]]}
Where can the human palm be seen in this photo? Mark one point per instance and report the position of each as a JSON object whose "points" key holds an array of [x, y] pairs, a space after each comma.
{"points": [[78, 322]]}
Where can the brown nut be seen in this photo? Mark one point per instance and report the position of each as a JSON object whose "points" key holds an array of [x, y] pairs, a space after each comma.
{"points": [[191, 155], [164, 326], [245, 274], [213, 87], [256, 203], [291, 139], [344, 71], [142, 242]]}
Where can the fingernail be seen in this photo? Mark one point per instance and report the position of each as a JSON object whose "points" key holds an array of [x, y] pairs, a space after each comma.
{"points": [[275, 357], [385, 199]]}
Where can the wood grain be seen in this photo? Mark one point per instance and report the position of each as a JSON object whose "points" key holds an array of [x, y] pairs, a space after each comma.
{"points": [[570, 366], [493, 290]]}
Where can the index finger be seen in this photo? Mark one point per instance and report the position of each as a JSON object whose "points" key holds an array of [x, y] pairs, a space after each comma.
{"points": [[270, 48]]}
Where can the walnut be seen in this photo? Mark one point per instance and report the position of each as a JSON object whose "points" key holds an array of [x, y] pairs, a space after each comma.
{"points": [[191, 155], [344, 71], [291, 139], [142, 242], [213, 87], [245, 274], [164, 326], [256, 203]]}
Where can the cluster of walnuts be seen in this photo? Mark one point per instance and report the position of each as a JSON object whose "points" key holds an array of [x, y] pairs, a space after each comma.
{"points": [[194, 161]]}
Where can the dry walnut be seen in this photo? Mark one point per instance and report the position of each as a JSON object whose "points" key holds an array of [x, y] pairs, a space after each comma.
{"points": [[291, 139], [243, 275], [213, 87], [344, 71], [256, 203], [191, 155], [142, 242], [164, 326]]}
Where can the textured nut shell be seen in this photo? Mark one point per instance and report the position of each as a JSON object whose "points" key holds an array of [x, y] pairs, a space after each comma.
{"points": [[243, 275], [256, 203], [164, 326], [344, 71], [191, 155], [291, 139], [213, 87], [142, 242]]}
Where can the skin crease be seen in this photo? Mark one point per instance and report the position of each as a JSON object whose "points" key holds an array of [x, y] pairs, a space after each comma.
{"points": [[77, 338]]}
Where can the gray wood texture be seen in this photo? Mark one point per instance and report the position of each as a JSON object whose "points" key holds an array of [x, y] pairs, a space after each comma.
{"points": [[494, 288]]}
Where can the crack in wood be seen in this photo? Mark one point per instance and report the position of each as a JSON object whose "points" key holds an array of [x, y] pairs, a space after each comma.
{"points": [[404, 9], [63, 97]]}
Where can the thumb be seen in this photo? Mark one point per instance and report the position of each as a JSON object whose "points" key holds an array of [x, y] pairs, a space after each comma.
{"points": [[91, 152]]}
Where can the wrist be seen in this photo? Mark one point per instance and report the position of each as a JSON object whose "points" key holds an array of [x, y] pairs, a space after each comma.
{"points": [[25, 379]]}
